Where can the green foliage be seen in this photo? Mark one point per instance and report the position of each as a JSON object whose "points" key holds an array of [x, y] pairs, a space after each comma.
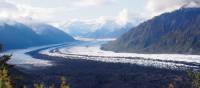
{"points": [[195, 77], [39, 86], [63, 83], [5, 81], [3, 60]]}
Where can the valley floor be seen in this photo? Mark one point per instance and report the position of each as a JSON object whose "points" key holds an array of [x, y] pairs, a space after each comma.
{"points": [[86, 66]]}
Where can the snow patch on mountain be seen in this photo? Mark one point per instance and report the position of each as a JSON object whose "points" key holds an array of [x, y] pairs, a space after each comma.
{"points": [[102, 27]]}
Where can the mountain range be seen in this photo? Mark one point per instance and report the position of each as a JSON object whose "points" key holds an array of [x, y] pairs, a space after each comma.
{"points": [[15, 35], [98, 30], [173, 32], [109, 30]]}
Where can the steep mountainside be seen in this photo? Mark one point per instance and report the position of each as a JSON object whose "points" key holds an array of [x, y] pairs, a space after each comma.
{"points": [[17, 35], [175, 32], [14, 35]]}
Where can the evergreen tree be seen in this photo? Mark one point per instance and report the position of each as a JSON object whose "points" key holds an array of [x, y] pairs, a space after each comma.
{"points": [[63, 83], [195, 77], [5, 81]]}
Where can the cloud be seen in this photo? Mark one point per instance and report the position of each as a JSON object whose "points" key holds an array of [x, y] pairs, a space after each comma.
{"points": [[53, 15], [89, 3], [123, 17], [7, 6], [192, 3], [118, 21], [15, 11], [188, 1], [156, 7]]}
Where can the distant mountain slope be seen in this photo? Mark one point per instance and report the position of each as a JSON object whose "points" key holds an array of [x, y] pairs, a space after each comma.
{"points": [[110, 31], [175, 32], [14, 35], [49, 34], [17, 35], [78, 28]]}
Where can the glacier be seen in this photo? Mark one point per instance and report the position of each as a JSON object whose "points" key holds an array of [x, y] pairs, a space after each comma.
{"points": [[92, 51]]}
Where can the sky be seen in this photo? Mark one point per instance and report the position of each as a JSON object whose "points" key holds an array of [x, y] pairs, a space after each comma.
{"points": [[62, 11]]}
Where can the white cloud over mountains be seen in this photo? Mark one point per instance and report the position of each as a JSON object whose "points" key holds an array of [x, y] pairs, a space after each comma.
{"points": [[123, 17], [84, 27], [7, 6], [6, 9], [55, 14], [64, 10], [121, 20], [156, 7], [88, 3], [15, 11]]}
